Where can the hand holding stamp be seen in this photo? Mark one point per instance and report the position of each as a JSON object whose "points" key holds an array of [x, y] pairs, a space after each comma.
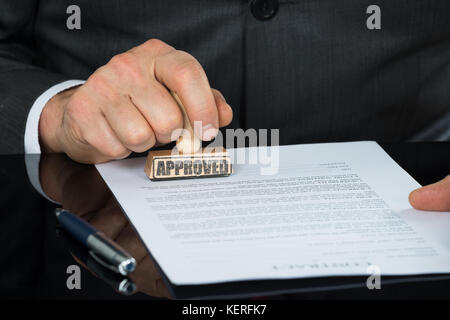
{"points": [[189, 160]]}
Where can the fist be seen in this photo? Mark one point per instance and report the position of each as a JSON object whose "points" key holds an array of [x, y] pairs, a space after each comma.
{"points": [[126, 106]]}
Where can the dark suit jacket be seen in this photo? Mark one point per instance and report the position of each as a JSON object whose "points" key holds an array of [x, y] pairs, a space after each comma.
{"points": [[314, 70]]}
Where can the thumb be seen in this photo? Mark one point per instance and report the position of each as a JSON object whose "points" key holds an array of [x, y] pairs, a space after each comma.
{"points": [[434, 197]]}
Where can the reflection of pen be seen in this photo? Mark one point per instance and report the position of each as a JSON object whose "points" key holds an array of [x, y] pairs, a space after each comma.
{"points": [[118, 282], [104, 250]]}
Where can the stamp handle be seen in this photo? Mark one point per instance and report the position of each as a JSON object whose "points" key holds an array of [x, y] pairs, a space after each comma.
{"points": [[188, 142]]}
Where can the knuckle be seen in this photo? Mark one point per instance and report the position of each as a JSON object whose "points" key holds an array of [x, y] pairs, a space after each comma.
{"points": [[172, 122], [97, 82], [153, 47], [127, 65], [156, 44], [139, 136], [121, 61], [188, 71]]}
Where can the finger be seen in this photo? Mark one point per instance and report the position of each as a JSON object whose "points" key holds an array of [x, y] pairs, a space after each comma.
{"points": [[224, 109], [131, 74], [129, 240], [103, 139], [106, 87], [130, 126], [86, 135], [181, 73], [148, 279], [160, 110], [110, 220], [434, 197]]}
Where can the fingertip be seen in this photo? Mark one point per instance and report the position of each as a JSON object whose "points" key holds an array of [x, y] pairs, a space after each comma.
{"points": [[209, 132], [224, 109], [430, 198], [414, 198], [225, 115]]}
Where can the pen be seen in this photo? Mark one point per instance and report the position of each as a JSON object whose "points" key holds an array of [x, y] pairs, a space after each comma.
{"points": [[102, 249], [118, 282]]}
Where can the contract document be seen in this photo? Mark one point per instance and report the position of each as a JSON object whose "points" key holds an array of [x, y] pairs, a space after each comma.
{"points": [[334, 209]]}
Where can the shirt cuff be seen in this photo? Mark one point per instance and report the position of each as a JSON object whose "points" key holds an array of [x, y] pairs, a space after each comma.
{"points": [[31, 138], [32, 165]]}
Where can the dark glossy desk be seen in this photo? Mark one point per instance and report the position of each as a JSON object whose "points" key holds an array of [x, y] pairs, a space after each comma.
{"points": [[35, 254]]}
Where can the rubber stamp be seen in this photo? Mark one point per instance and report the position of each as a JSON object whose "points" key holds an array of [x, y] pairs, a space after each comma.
{"points": [[187, 159]]}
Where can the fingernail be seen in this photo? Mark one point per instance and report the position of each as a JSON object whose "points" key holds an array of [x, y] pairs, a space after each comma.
{"points": [[209, 132]]}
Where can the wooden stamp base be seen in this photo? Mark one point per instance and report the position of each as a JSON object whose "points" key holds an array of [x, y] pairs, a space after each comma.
{"points": [[163, 165]]}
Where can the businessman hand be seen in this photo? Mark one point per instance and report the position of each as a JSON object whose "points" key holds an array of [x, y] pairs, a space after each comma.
{"points": [[434, 197], [126, 106]]}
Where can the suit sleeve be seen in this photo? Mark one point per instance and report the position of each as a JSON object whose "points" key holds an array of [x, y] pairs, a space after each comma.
{"points": [[21, 79]]}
